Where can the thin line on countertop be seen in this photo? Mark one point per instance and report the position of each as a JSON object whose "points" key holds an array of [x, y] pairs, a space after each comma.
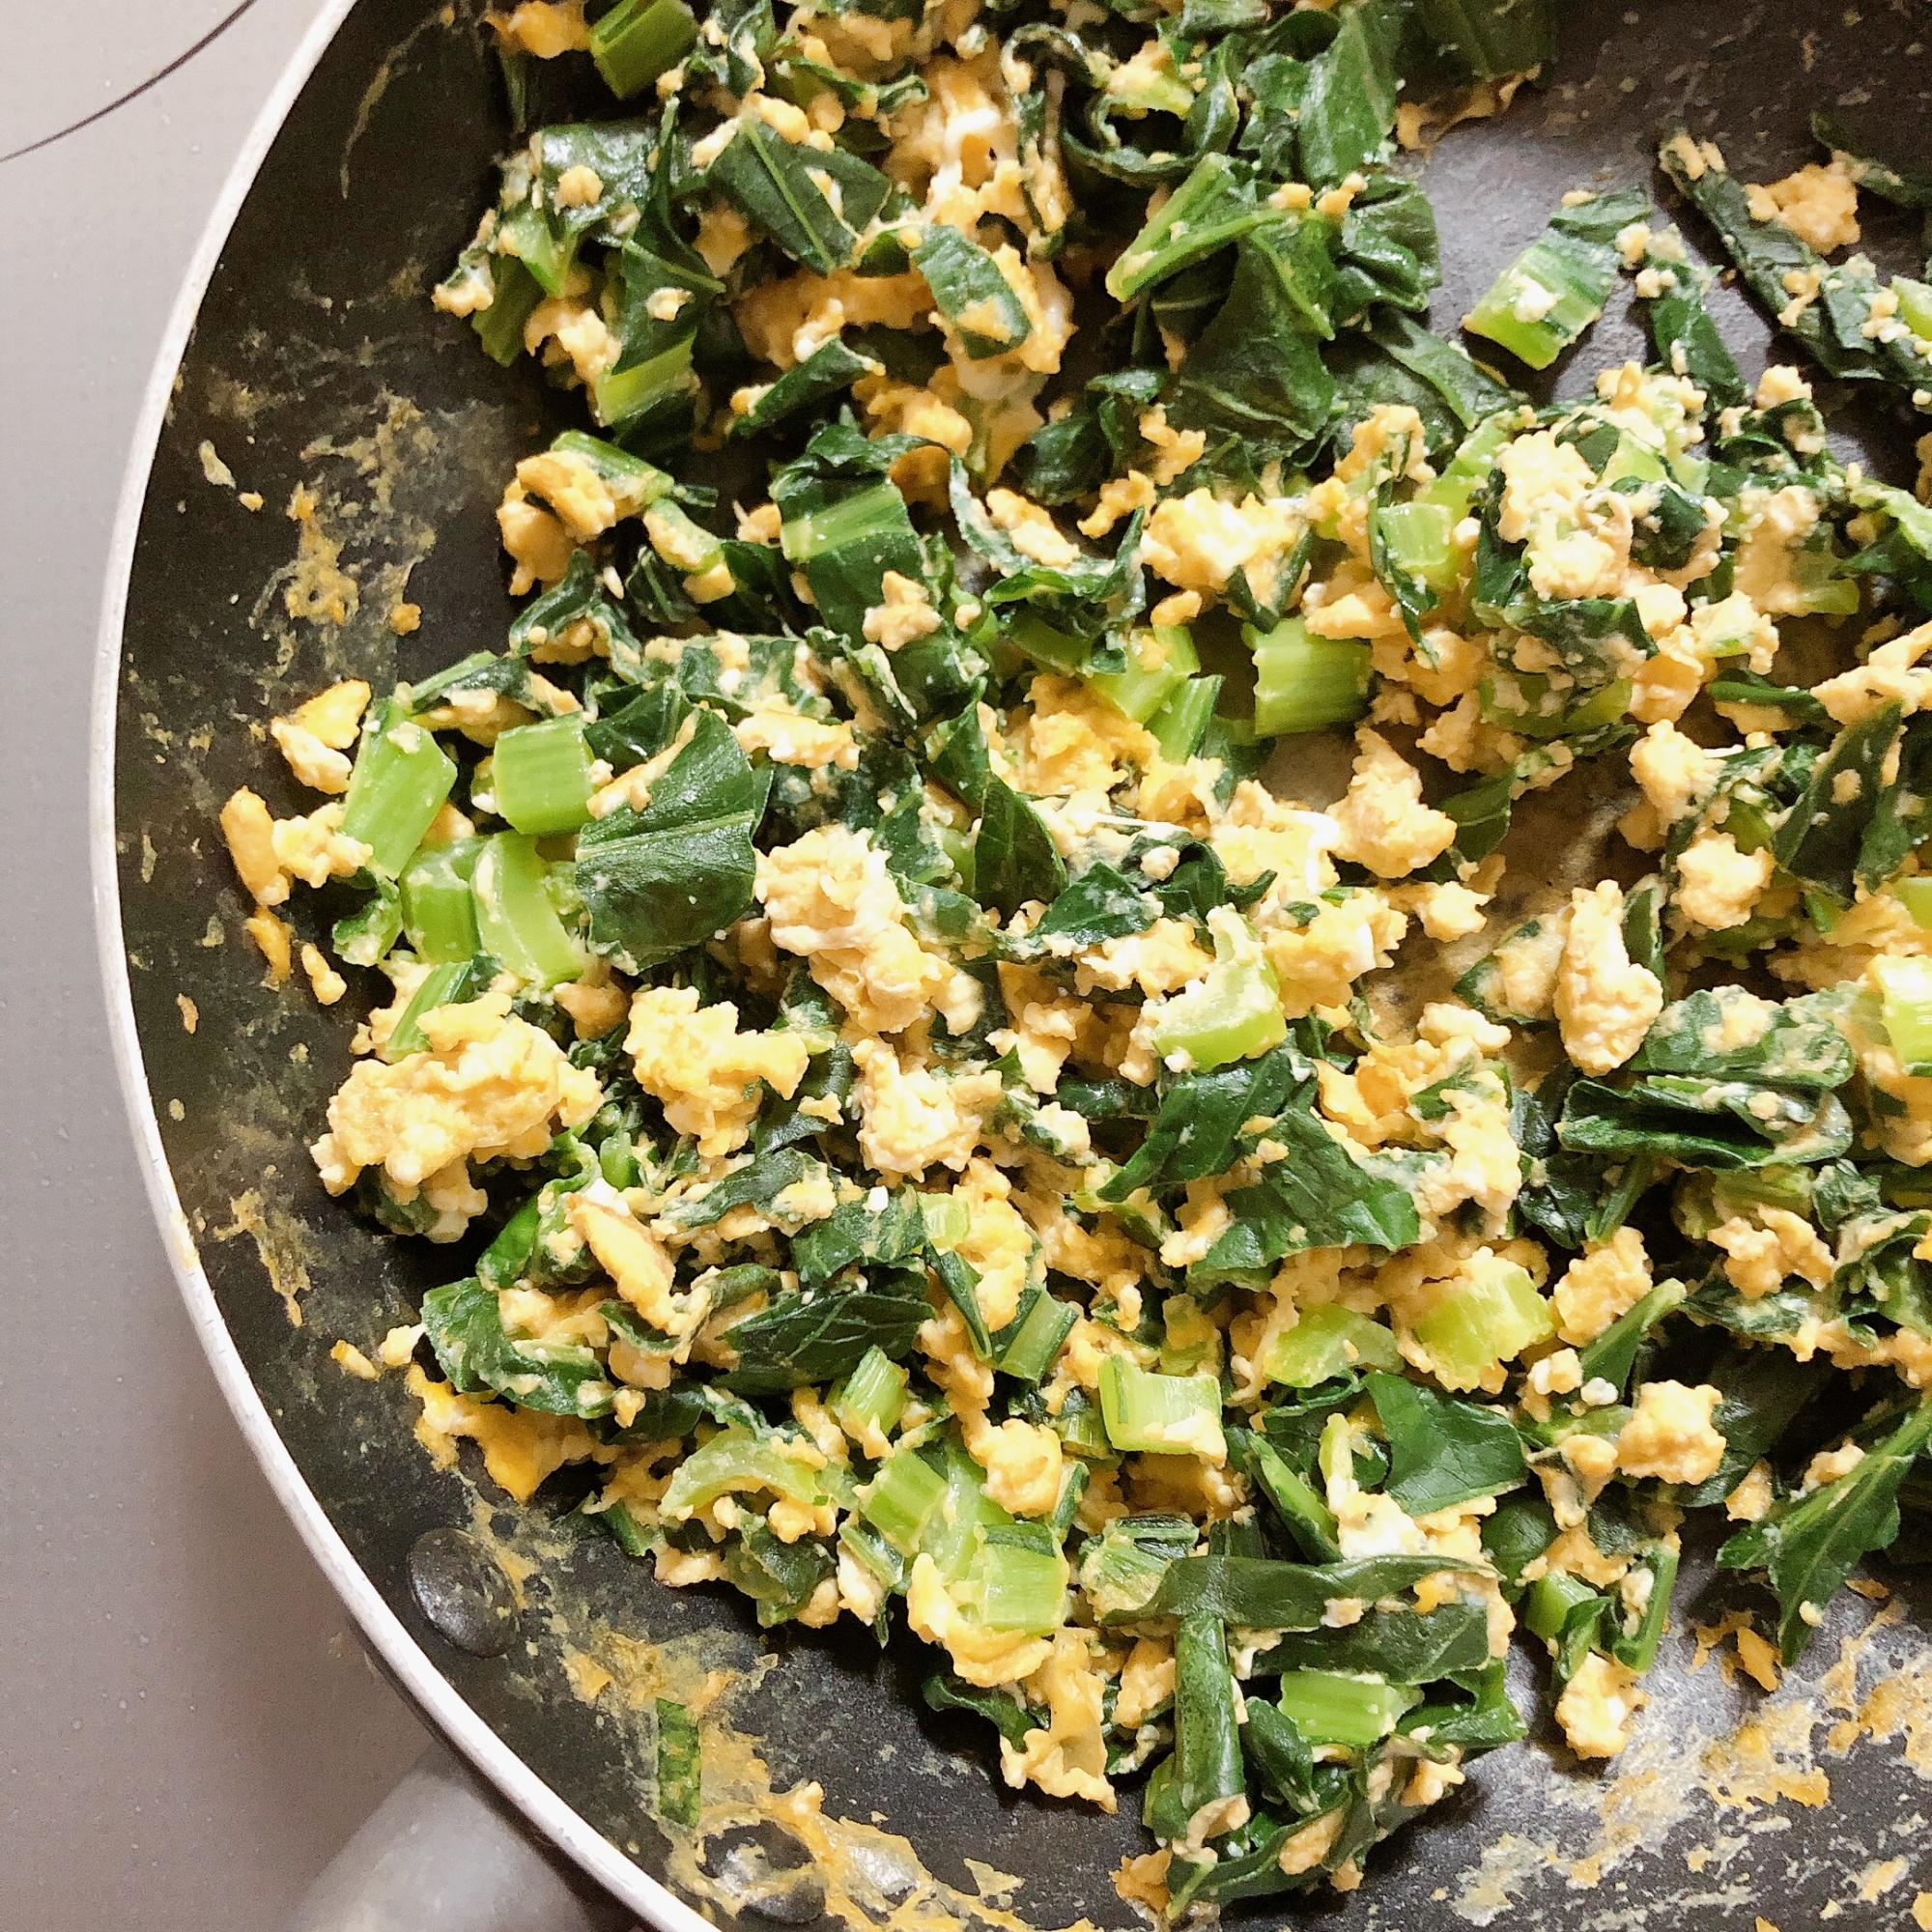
{"points": [[180, 61]]}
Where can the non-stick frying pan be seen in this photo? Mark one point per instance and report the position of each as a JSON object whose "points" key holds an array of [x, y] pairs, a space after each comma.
{"points": [[306, 357]]}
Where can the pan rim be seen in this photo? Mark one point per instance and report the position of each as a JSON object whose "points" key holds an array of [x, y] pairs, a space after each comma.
{"points": [[449, 1714]]}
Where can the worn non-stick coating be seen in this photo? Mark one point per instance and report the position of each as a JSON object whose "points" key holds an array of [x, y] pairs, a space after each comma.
{"points": [[319, 361]]}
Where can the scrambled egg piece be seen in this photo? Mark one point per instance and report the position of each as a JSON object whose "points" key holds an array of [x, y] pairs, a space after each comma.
{"points": [[1577, 536], [1605, 1004], [1891, 676], [1819, 203], [1031, 529], [1074, 741], [542, 28], [1600, 1286], [1675, 773], [315, 736], [1067, 1756], [1022, 1460], [1261, 834], [913, 1117], [1382, 822], [1446, 912], [803, 311], [984, 1657], [830, 898], [535, 541], [1759, 1259], [997, 1241], [1317, 965], [1146, 1682], [1716, 884], [706, 1072], [1485, 1164], [1775, 523], [1527, 963], [1198, 541], [903, 613], [249, 828], [1597, 1705], [788, 737], [1044, 1030], [637, 1262], [1164, 957], [1671, 1437], [521, 1447], [489, 1087]]}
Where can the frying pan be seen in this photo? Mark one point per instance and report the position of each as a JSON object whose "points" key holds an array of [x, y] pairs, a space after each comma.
{"points": [[304, 357]]}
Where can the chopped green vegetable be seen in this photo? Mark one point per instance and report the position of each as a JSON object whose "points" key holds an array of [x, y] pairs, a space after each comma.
{"points": [[400, 782], [1305, 683], [1164, 1415], [1557, 287]]}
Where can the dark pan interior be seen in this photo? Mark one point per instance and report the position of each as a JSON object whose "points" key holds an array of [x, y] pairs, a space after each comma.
{"points": [[318, 362]]}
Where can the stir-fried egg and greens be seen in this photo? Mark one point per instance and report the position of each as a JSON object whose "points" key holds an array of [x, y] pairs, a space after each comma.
{"points": [[926, 1126]]}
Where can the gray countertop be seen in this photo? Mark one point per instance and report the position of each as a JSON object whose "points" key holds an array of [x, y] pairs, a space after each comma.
{"points": [[187, 1726]]}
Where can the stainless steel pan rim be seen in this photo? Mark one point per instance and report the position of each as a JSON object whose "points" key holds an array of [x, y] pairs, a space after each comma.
{"points": [[418, 1677]]}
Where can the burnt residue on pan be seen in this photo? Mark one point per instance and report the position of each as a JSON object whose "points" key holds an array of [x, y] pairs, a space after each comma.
{"points": [[320, 507]]}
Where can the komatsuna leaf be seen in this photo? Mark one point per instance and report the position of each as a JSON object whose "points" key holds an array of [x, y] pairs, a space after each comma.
{"points": [[804, 1338], [1402, 1646], [1904, 185], [1490, 39], [1903, 819], [781, 1578], [1442, 1451], [858, 1232], [1881, 1270], [1198, 1128], [1389, 258], [1102, 903], [1592, 637], [1764, 1391], [944, 1691], [971, 293], [620, 153], [466, 1329], [1717, 1124], [1015, 858], [1808, 1544], [1726, 1033], [1558, 287], [579, 596], [845, 533], [1317, 1196], [1097, 438], [769, 181], [1681, 326], [1349, 106], [829, 370], [1770, 258], [1470, 391], [756, 1184], [1263, 1594], [1078, 599], [1218, 202], [659, 881], [1485, 1720], [1256, 373]]}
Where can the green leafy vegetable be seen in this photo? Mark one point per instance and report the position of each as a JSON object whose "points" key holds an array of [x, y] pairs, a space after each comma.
{"points": [[1442, 1452], [1808, 1544]]}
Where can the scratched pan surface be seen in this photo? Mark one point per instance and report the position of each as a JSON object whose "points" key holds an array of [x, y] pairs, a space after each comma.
{"points": [[318, 363]]}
